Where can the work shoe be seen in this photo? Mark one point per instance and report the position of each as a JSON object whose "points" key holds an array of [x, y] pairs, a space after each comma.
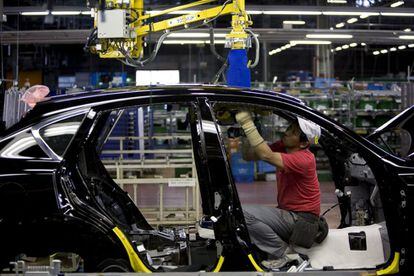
{"points": [[276, 263]]}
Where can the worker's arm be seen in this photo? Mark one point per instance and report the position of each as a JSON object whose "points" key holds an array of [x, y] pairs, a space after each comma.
{"points": [[261, 149], [264, 152]]}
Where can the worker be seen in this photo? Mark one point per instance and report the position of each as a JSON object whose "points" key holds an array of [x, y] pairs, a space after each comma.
{"points": [[296, 218]]}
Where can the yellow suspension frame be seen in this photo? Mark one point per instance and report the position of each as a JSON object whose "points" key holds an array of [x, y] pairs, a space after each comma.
{"points": [[236, 38]]}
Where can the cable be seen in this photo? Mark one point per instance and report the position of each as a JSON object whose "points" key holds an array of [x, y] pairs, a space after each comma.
{"points": [[220, 72], [256, 40], [137, 63], [213, 46], [330, 209]]}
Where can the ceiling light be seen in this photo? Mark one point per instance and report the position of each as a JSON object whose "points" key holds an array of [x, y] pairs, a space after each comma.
{"points": [[332, 50], [283, 47], [292, 12], [402, 47], [353, 44], [408, 37], [363, 44], [410, 45], [86, 12], [407, 30], [384, 51], [344, 13], [338, 49], [397, 4], [311, 42], [393, 49], [254, 12], [340, 25], [194, 35], [376, 53], [345, 47], [352, 20], [294, 22], [35, 13], [288, 46], [336, 1], [66, 12], [329, 36], [363, 16], [278, 50], [397, 13]]}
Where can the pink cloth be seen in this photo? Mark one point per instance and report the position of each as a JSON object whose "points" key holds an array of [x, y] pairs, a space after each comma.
{"points": [[35, 94]]}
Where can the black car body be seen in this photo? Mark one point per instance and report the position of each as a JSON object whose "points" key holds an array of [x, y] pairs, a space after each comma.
{"points": [[56, 199]]}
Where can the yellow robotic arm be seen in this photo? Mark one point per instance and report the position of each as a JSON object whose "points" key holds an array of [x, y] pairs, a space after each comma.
{"points": [[120, 27]]}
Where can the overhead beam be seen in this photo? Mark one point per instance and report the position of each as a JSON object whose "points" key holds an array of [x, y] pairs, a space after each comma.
{"points": [[378, 37], [259, 8]]}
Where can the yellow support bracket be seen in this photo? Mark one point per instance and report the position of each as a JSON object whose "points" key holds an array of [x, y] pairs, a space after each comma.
{"points": [[179, 8], [393, 268], [185, 19]]}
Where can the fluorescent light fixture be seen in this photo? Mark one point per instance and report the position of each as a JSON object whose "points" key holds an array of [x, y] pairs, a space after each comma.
{"points": [[345, 47], [402, 47], [408, 37], [352, 20], [66, 12], [393, 49], [254, 12], [288, 46], [384, 51], [397, 13], [363, 16], [292, 12], [338, 48], [283, 47], [410, 45], [407, 30], [336, 1], [363, 44], [35, 13], [344, 13], [183, 42], [397, 4], [376, 53], [294, 22], [329, 36], [340, 25], [194, 35], [86, 13], [353, 44], [311, 42]]}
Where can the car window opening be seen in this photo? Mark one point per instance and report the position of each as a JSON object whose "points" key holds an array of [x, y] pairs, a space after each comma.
{"points": [[145, 153], [350, 198]]}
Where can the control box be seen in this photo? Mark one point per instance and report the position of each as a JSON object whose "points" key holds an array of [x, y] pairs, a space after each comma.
{"points": [[113, 24]]}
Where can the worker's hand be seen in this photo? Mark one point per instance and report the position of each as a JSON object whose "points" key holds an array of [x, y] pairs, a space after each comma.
{"points": [[245, 120]]}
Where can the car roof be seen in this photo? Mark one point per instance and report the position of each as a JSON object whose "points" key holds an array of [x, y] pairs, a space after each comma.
{"points": [[56, 104]]}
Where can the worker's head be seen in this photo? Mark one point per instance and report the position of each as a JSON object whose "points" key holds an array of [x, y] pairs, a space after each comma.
{"points": [[294, 137], [301, 133]]}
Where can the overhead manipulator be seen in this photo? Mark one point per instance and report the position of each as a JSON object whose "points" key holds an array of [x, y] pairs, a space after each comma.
{"points": [[122, 29]]}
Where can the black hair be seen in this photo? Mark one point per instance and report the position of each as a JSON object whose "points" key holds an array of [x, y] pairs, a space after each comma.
{"points": [[302, 137]]}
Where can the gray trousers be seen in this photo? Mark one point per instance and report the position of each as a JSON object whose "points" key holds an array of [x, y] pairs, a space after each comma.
{"points": [[269, 228]]}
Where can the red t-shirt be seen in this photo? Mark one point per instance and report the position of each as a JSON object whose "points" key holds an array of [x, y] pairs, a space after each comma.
{"points": [[297, 184]]}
